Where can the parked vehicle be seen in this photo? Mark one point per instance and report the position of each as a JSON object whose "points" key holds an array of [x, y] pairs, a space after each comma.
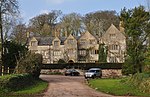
{"points": [[93, 73], [72, 72]]}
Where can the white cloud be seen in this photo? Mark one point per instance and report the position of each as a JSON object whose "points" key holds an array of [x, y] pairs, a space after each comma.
{"points": [[55, 1]]}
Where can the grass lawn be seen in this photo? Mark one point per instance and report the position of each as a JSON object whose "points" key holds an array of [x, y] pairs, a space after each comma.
{"points": [[115, 87], [37, 88]]}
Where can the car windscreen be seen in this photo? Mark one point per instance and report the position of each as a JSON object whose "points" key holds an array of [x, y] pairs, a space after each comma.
{"points": [[91, 70], [68, 70]]}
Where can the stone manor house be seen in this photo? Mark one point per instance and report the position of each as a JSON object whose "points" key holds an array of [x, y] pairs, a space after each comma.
{"points": [[82, 49]]}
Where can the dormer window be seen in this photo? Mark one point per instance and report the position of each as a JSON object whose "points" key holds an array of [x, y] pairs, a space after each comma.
{"points": [[56, 43], [33, 43]]}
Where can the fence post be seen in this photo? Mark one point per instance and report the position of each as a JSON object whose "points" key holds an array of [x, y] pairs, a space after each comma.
{"points": [[8, 70], [2, 70]]}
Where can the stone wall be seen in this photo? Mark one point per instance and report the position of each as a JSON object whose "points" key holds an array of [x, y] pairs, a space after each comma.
{"points": [[111, 73], [106, 73]]}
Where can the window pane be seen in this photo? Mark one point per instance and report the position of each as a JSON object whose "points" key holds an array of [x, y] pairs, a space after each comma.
{"points": [[56, 43]]}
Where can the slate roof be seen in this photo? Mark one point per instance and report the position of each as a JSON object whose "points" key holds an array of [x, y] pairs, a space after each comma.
{"points": [[45, 40], [62, 39], [77, 37], [48, 40]]}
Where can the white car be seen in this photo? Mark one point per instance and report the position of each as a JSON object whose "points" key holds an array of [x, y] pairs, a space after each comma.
{"points": [[93, 73]]}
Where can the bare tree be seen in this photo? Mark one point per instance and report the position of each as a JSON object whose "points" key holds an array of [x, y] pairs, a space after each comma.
{"points": [[72, 24], [7, 8], [98, 22], [19, 33], [45, 24]]}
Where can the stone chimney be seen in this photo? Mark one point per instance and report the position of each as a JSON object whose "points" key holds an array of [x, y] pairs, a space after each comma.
{"points": [[121, 26], [57, 33]]}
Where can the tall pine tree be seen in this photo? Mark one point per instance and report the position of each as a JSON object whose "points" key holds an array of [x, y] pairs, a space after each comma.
{"points": [[137, 29]]}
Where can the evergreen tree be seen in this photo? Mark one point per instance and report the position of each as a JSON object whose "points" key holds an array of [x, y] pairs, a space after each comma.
{"points": [[102, 53], [137, 29], [13, 53]]}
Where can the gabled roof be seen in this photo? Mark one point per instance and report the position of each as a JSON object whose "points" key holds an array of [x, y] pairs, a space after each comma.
{"points": [[75, 37], [112, 29], [95, 36]]}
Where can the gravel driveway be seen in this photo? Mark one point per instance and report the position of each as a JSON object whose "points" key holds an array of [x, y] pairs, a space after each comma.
{"points": [[69, 86]]}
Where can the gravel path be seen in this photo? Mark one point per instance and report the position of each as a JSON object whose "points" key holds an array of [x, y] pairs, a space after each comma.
{"points": [[69, 86]]}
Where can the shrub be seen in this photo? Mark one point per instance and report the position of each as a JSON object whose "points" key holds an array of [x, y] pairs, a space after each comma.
{"points": [[141, 81], [145, 86], [31, 64], [127, 67], [15, 82]]}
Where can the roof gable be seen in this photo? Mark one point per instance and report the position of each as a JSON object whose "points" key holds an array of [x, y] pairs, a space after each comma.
{"points": [[112, 35], [113, 30], [33, 39], [56, 39], [70, 37], [87, 35]]}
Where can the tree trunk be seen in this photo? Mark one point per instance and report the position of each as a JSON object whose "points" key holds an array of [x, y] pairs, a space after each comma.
{"points": [[2, 41], [140, 68]]}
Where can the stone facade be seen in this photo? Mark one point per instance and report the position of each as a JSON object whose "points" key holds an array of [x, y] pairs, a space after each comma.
{"points": [[116, 43], [84, 48]]}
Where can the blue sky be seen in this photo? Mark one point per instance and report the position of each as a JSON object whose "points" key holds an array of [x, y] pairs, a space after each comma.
{"points": [[31, 8]]}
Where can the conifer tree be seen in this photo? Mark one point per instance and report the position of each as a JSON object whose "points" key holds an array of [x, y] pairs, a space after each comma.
{"points": [[137, 29]]}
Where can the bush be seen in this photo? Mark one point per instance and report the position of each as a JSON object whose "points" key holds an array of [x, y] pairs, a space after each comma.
{"points": [[145, 86], [15, 82], [31, 64], [140, 81], [127, 67]]}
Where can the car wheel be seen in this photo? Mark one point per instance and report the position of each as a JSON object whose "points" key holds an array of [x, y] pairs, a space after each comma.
{"points": [[72, 74], [93, 77]]}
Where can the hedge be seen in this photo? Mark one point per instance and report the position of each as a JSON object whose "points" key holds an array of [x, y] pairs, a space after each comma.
{"points": [[15, 82], [85, 66]]}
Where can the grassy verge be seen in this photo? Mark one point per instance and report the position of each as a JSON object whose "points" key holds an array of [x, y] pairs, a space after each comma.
{"points": [[115, 87], [37, 88], [34, 89]]}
